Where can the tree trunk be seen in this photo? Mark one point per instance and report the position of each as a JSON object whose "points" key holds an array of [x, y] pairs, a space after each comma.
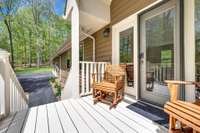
{"points": [[25, 50], [30, 52], [38, 53], [8, 26]]}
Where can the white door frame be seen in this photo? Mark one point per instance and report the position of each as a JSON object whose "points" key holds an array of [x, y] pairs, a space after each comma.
{"points": [[124, 25], [189, 47]]}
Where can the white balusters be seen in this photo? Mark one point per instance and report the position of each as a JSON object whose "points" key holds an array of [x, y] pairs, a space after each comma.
{"points": [[162, 72], [82, 78], [18, 99], [91, 72], [87, 69], [87, 77], [12, 96]]}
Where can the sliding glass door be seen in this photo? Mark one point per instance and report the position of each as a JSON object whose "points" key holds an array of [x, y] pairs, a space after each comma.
{"points": [[159, 58]]}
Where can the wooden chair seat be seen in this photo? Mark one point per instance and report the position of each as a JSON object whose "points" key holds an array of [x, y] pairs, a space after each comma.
{"points": [[104, 85], [188, 114]]}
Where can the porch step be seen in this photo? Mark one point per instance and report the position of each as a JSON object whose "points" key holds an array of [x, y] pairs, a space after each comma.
{"points": [[14, 122]]}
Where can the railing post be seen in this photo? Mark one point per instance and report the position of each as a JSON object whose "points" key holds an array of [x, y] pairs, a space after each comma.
{"points": [[5, 82]]}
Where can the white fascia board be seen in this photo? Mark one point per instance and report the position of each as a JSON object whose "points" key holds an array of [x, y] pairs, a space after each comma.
{"points": [[68, 9]]}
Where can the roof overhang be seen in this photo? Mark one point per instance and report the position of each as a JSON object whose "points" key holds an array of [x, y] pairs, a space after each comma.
{"points": [[94, 14]]}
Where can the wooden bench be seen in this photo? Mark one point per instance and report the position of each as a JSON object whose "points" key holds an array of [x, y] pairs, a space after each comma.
{"points": [[111, 89], [188, 114]]}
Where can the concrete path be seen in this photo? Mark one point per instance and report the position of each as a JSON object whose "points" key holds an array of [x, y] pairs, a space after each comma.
{"points": [[38, 87]]}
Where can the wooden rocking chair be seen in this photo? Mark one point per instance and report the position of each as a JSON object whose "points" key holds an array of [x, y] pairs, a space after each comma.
{"points": [[111, 89]]}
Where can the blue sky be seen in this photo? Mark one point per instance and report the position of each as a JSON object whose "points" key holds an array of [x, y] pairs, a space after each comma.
{"points": [[59, 7]]}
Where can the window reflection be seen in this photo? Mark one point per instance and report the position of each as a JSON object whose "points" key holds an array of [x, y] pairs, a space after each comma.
{"points": [[126, 54], [160, 50]]}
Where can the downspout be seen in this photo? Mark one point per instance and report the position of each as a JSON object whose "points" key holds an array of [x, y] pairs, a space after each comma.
{"points": [[93, 40]]}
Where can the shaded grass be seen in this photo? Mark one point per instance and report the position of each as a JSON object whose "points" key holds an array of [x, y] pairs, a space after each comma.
{"points": [[32, 70]]}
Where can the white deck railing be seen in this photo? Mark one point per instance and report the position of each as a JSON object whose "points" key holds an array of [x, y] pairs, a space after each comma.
{"points": [[12, 96], [55, 70], [86, 71], [18, 99]]}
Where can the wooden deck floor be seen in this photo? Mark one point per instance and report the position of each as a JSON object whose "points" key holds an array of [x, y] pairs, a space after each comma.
{"points": [[81, 116]]}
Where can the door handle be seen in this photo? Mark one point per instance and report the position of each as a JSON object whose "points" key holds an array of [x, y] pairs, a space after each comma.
{"points": [[141, 57]]}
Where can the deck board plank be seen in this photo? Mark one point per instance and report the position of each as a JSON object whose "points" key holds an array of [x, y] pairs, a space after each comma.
{"points": [[94, 125], [105, 123], [29, 126], [130, 122], [80, 116], [124, 127], [140, 119], [4, 124], [54, 122], [65, 119], [79, 122], [16, 125], [42, 120]]}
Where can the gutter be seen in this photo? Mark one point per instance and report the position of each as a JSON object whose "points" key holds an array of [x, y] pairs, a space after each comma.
{"points": [[94, 43]]}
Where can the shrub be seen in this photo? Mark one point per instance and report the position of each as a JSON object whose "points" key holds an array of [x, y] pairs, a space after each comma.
{"points": [[58, 89], [52, 79]]}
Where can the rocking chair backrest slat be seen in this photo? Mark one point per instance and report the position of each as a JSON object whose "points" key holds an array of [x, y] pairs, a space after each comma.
{"points": [[114, 72]]}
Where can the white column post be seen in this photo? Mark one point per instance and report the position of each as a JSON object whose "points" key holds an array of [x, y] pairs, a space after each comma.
{"points": [[75, 50], [71, 89], [189, 44]]}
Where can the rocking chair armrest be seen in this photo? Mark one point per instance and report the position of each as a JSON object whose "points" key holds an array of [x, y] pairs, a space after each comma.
{"points": [[177, 82]]}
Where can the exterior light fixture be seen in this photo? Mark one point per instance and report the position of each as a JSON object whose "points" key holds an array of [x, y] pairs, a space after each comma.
{"points": [[106, 32]]}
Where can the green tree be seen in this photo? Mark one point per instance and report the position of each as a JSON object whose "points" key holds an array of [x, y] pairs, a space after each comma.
{"points": [[37, 31], [7, 11]]}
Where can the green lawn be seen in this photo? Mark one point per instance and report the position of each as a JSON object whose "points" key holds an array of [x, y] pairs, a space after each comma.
{"points": [[32, 70]]}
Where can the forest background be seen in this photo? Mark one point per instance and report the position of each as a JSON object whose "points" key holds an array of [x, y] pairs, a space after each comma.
{"points": [[31, 30]]}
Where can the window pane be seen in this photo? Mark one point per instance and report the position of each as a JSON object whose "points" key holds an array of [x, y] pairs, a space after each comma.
{"points": [[160, 48], [126, 54], [159, 54], [126, 46]]}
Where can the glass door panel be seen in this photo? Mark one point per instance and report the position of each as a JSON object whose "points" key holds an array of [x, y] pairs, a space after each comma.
{"points": [[126, 57], [157, 55]]}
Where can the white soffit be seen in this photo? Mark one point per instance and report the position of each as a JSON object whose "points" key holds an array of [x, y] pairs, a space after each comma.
{"points": [[94, 14]]}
